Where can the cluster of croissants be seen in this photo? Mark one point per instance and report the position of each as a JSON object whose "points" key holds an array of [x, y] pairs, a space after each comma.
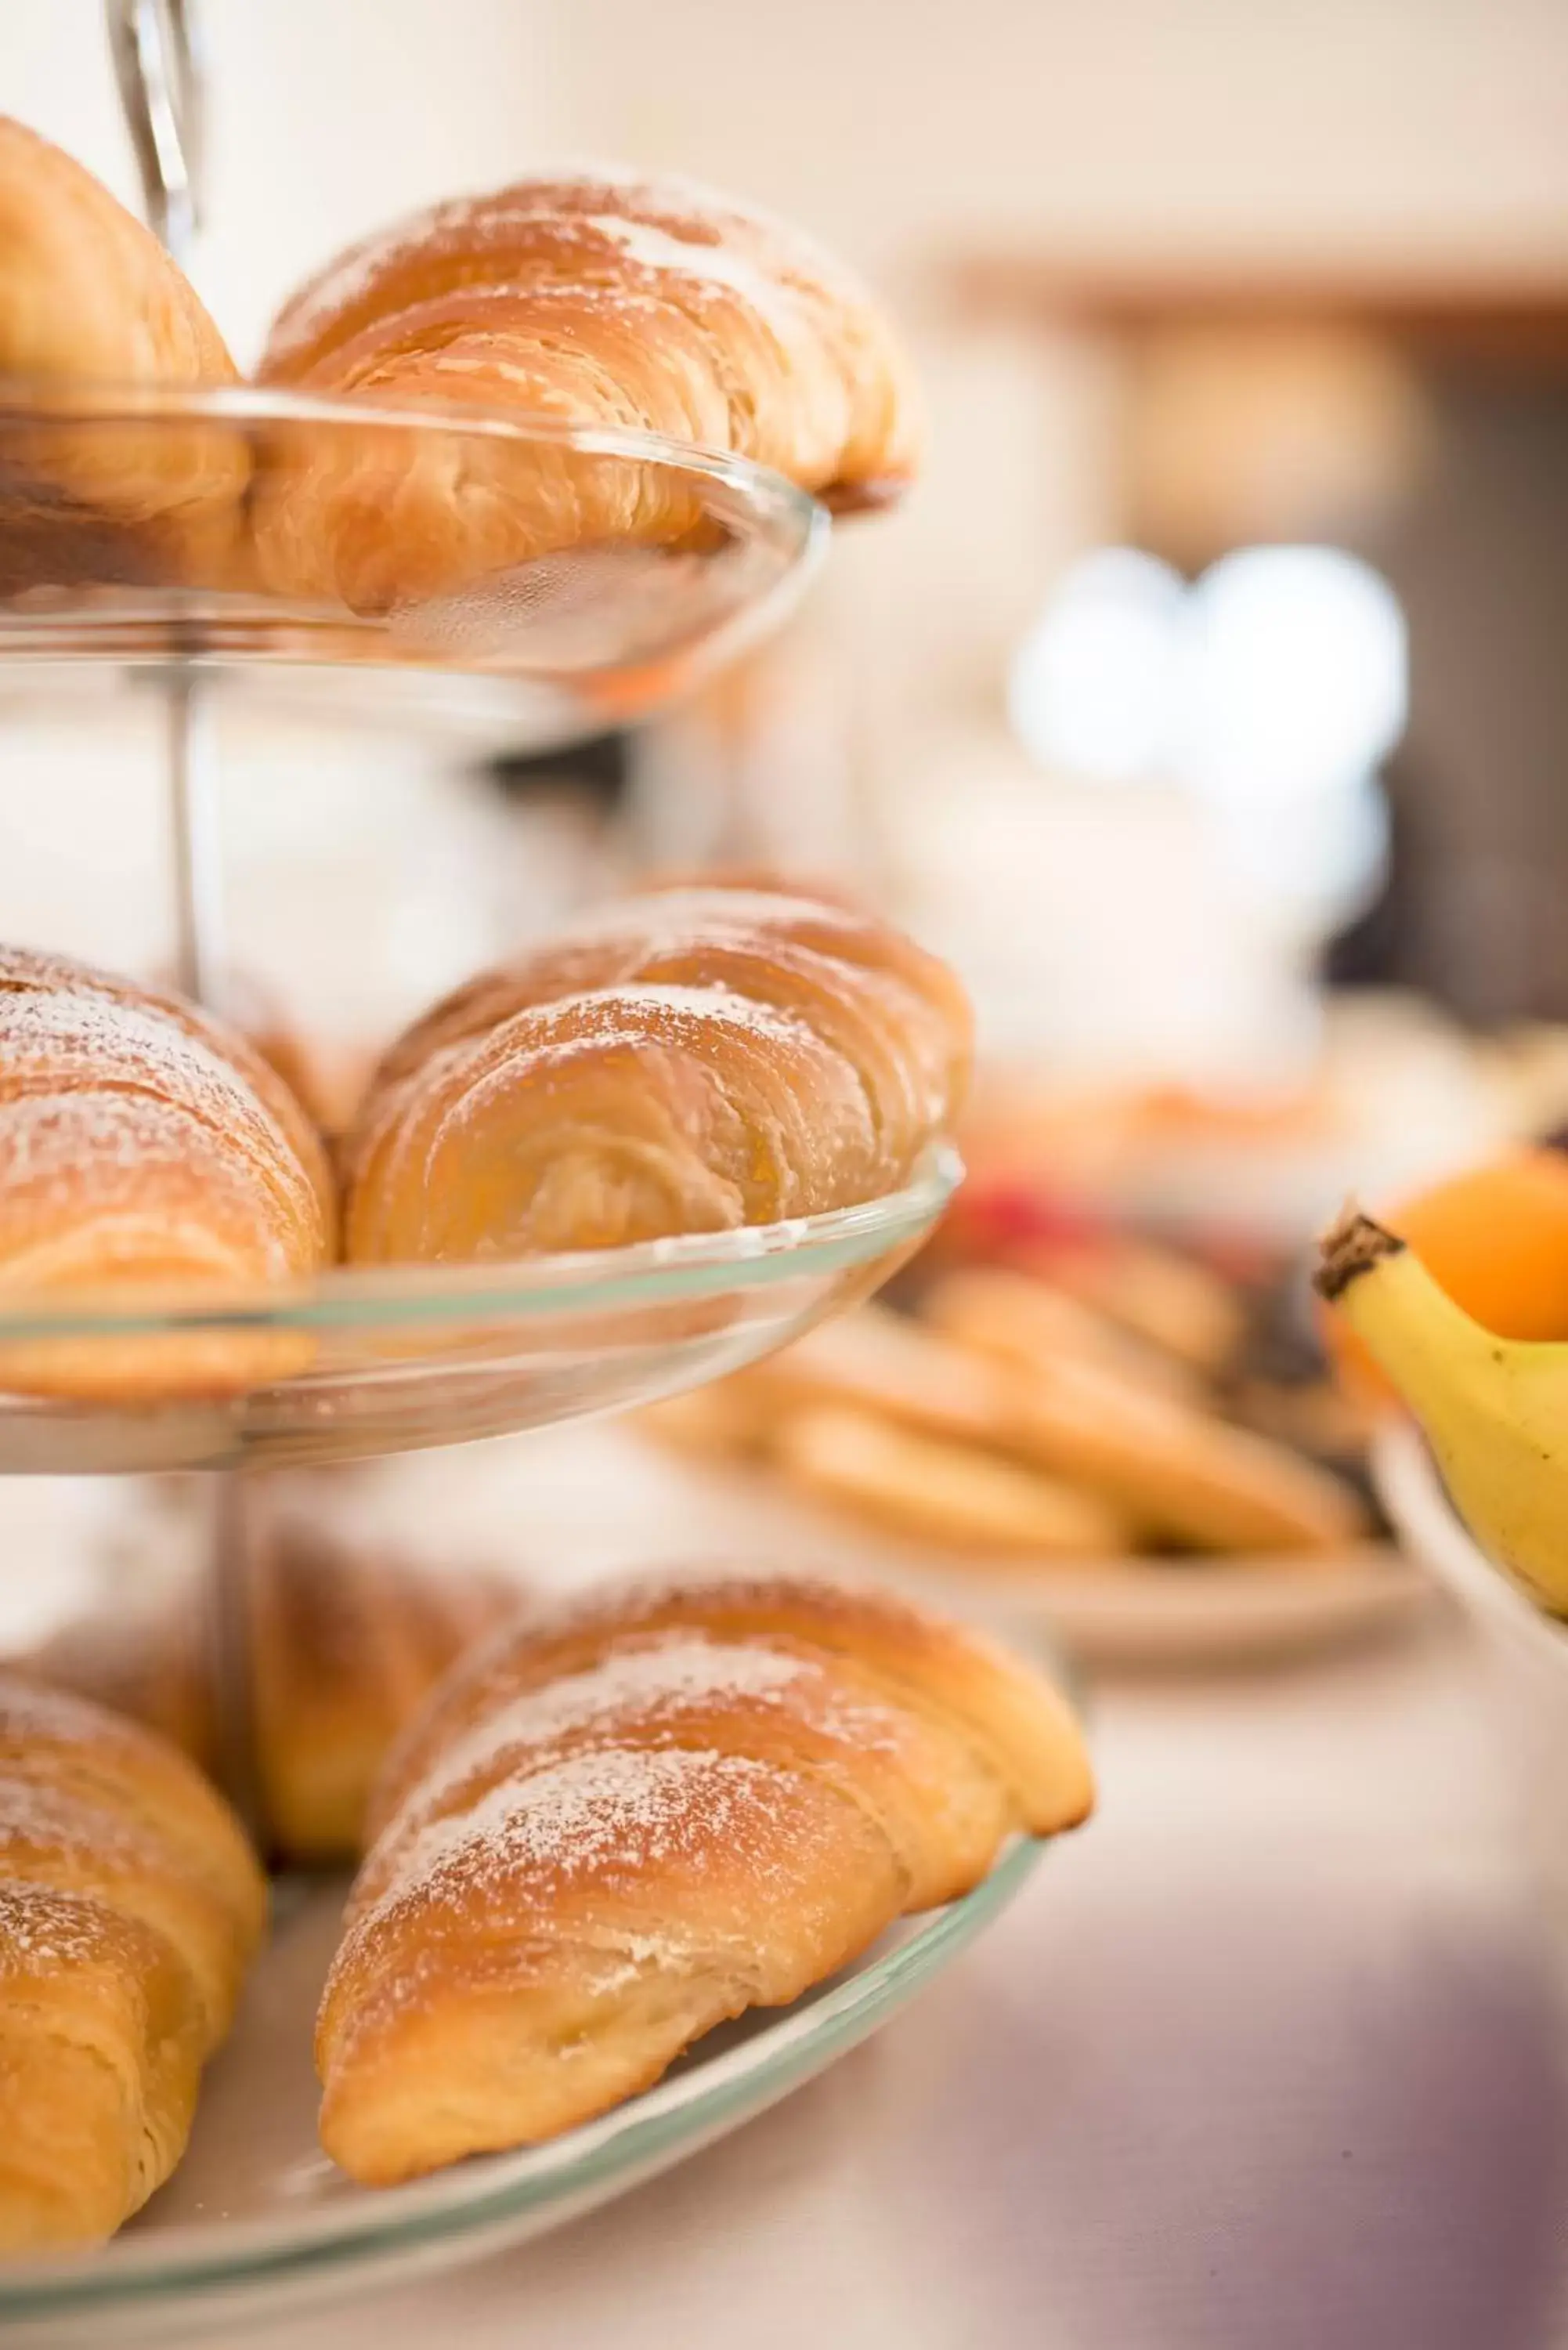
{"points": [[612, 1824], [691, 1060], [694, 1060], [599, 300], [615, 1822]]}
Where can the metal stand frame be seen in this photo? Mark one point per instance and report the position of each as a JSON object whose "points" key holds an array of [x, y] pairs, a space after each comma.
{"points": [[156, 51]]}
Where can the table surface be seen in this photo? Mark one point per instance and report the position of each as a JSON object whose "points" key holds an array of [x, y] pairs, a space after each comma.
{"points": [[1267, 2056]]}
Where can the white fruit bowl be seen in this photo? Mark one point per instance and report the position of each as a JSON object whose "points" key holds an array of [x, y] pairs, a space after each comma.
{"points": [[1526, 1651]]}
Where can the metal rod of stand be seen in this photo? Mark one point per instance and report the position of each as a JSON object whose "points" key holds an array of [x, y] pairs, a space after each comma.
{"points": [[196, 835], [157, 64], [157, 54]]}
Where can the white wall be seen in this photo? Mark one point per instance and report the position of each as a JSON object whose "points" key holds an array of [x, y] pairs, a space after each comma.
{"points": [[327, 117], [1435, 125], [1442, 122]]}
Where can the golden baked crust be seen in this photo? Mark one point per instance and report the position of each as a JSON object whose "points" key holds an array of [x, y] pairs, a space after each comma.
{"points": [[597, 299], [345, 1643], [88, 296], [130, 1906], [1015, 1719], [145, 1152], [347, 1636], [689, 1061], [620, 1822]]}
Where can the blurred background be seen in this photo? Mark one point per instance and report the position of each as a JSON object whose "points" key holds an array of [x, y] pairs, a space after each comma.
{"points": [[1217, 665]]}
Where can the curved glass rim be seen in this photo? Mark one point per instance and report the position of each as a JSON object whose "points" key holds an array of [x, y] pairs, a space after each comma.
{"points": [[471, 2200], [25, 399], [689, 1265], [762, 505]]}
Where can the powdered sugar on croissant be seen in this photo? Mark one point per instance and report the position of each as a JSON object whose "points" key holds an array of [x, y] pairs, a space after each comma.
{"points": [[619, 1823], [692, 1060], [591, 298], [146, 1155]]}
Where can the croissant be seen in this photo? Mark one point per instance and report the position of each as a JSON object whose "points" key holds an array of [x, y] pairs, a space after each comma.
{"points": [[89, 298], [617, 1825], [345, 1643], [689, 1061], [147, 1155], [599, 299], [130, 1906]]}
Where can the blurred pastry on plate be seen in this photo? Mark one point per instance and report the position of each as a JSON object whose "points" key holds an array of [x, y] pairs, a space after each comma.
{"points": [[1176, 1472], [962, 1428], [1031, 1324], [345, 1646], [726, 1420], [345, 1638], [938, 1493], [887, 1363]]}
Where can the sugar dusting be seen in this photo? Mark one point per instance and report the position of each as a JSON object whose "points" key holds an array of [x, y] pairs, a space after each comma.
{"points": [[38, 1711], [78, 1035], [41, 1929], [608, 1014], [715, 266], [112, 1083], [50, 1137], [708, 215], [652, 1688], [671, 919], [84, 1036], [614, 1812], [37, 1815]]}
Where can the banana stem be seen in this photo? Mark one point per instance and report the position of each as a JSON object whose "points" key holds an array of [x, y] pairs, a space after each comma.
{"points": [[1351, 1247], [1425, 1344]]}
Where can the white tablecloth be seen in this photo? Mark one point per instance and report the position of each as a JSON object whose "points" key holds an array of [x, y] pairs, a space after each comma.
{"points": [[1263, 2061]]}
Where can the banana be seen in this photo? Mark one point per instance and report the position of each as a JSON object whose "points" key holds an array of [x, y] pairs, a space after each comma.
{"points": [[1495, 1410]]}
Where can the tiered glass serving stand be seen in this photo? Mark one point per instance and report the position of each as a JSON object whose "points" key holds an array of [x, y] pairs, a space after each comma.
{"points": [[362, 1362]]}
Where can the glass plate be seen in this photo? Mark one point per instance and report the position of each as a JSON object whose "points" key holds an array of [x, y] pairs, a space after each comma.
{"points": [[256, 2220], [378, 1361], [597, 573]]}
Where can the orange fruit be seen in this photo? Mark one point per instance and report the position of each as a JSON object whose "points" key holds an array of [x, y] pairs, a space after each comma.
{"points": [[1496, 1238]]}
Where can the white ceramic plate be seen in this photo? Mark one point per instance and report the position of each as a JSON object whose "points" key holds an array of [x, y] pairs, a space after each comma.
{"points": [[1148, 1613]]}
